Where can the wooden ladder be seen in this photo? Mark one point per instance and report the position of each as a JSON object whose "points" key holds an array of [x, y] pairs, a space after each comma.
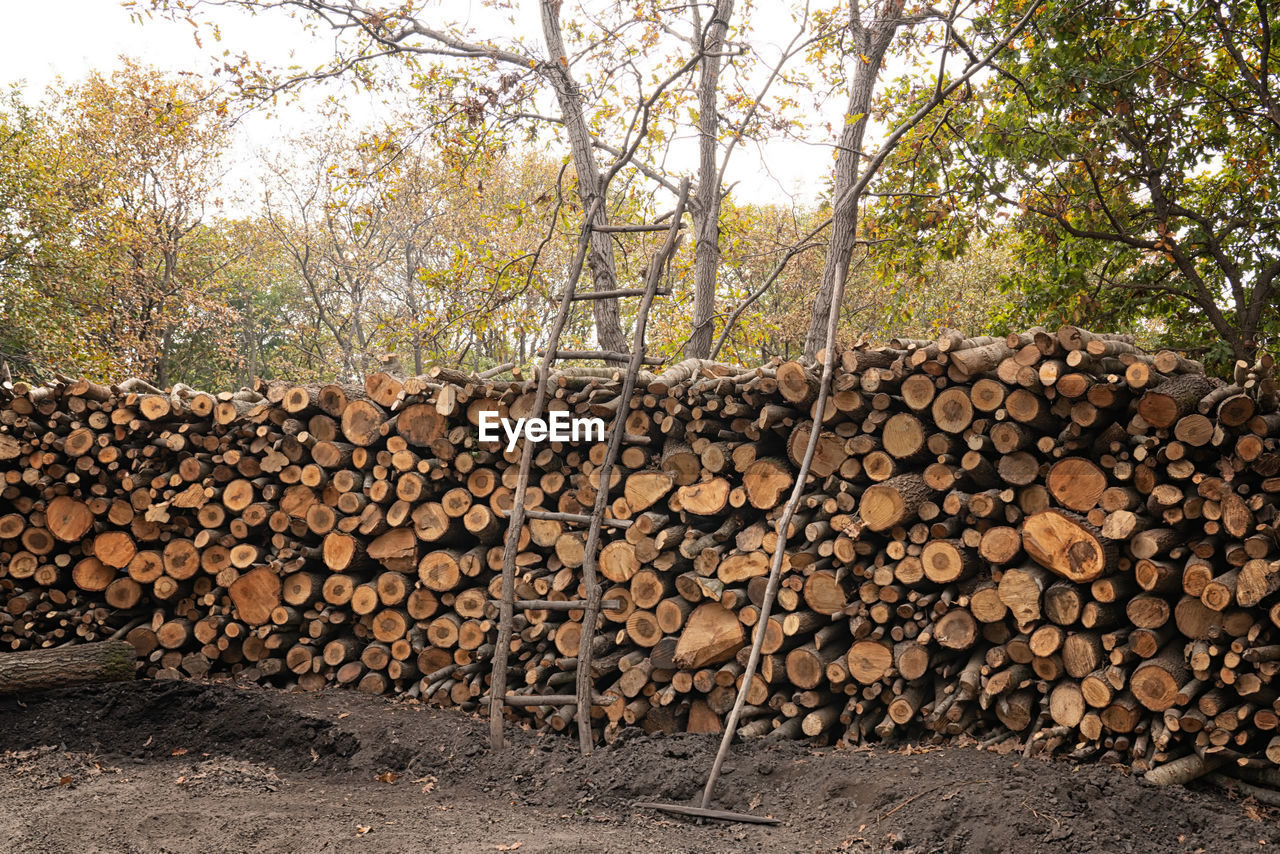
{"points": [[585, 696]]}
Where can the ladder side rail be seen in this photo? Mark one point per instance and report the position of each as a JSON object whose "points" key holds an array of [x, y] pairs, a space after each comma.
{"points": [[515, 519], [583, 677]]}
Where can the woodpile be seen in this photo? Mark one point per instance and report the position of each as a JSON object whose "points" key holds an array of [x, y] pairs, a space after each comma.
{"points": [[1053, 539]]}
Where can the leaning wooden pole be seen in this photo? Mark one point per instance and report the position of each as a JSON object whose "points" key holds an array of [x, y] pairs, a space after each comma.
{"points": [[780, 550], [854, 195]]}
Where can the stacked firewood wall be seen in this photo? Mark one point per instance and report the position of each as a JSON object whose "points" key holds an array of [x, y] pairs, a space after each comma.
{"points": [[1054, 538]]}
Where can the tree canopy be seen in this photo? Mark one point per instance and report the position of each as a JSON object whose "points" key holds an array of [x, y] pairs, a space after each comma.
{"points": [[1018, 163], [1130, 146]]}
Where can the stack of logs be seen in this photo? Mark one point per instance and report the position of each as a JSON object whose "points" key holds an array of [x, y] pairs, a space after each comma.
{"points": [[1053, 538]]}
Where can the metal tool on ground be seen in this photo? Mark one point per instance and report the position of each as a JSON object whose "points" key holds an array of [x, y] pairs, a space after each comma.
{"points": [[717, 815]]}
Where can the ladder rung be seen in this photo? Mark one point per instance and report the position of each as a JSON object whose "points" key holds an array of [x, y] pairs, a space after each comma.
{"points": [[604, 355], [624, 292], [554, 699], [633, 439], [561, 604], [579, 518], [623, 229]]}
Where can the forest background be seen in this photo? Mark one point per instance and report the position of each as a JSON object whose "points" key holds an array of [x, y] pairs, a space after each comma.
{"points": [[983, 166]]}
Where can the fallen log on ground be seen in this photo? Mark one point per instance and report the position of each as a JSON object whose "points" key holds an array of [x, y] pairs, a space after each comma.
{"points": [[66, 667]]}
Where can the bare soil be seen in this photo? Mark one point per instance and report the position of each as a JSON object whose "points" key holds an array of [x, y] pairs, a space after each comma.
{"points": [[217, 767]]}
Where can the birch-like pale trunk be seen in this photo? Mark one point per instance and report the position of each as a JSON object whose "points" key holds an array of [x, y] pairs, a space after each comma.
{"points": [[705, 208], [600, 258], [872, 41]]}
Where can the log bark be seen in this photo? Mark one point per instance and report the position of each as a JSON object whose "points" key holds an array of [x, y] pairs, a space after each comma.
{"points": [[46, 669]]}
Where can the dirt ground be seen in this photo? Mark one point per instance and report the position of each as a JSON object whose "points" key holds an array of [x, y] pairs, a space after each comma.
{"points": [[195, 767]]}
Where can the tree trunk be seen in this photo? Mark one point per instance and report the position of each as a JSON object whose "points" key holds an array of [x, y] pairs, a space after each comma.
{"points": [[162, 358], [410, 283], [706, 203], [872, 44], [600, 258]]}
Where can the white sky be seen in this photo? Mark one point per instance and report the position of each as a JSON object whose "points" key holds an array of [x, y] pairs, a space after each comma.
{"points": [[92, 34]]}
